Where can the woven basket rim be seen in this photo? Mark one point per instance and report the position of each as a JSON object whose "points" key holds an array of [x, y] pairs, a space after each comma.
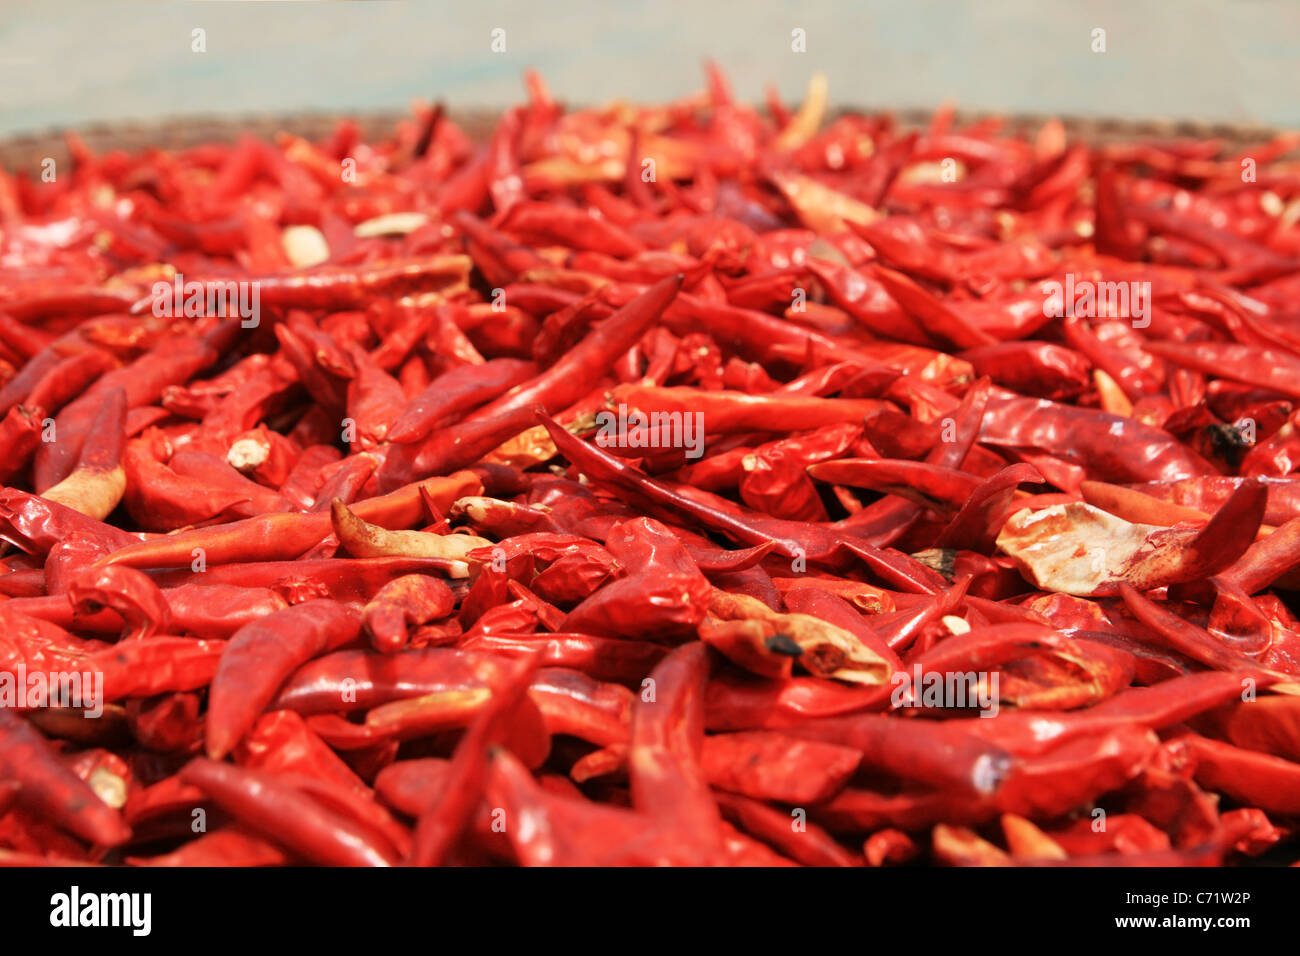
{"points": [[23, 149]]}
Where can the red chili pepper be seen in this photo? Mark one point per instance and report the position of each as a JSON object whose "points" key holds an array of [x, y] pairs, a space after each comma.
{"points": [[442, 821], [231, 845], [287, 816], [259, 658], [457, 391], [566, 381], [49, 788], [404, 603]]}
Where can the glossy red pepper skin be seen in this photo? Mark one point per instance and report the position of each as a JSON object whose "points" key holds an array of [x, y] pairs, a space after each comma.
{"points": [[286, 816], [51, 789], [565, 382], [143, 381], [261, 655], [457, 391], [442, 821]]}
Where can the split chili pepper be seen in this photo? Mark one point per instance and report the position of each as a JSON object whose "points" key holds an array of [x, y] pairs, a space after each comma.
{"points": [[1062, 546]]}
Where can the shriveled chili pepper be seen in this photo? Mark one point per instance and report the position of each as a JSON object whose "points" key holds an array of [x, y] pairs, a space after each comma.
{"points": [[20, 433], [285, 535]]}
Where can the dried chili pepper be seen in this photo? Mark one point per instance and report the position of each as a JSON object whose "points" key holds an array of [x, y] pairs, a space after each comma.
{"points": [[796, 505]]}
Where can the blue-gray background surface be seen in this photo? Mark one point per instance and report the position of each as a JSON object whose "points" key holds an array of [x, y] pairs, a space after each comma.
{"points": [[67, 62]]}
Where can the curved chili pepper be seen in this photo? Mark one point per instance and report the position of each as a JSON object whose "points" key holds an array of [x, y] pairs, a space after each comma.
{"points": [[259, 658], [1186, 637], [440, 825], [981, 516], [1090, 437], [456, 391], [452, 448], [565, 382], [68, 379], [404, 603], [286, 535], [128, 592], [357, 680], [286, 815], [792, 539], [50, 789], [41, 366]]}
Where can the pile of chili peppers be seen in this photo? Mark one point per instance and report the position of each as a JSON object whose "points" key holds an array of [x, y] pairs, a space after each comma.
{"points": [[687, 484]]}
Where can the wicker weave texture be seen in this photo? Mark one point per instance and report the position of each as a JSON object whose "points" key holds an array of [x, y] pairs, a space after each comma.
{"points": [[25, 152]]}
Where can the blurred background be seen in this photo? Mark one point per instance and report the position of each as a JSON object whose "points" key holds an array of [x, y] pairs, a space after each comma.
{"points": [[70, 62]]}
